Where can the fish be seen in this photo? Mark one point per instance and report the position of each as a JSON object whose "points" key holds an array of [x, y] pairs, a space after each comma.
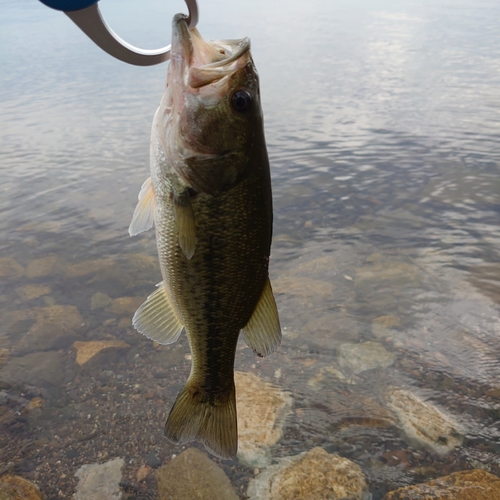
{"points": [[209, 198]]}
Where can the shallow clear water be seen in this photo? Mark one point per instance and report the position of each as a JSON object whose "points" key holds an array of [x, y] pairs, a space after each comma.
{"points": [[382, 122]]}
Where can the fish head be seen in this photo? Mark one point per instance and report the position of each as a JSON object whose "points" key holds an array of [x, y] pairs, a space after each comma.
{"points": [[212, 111]]}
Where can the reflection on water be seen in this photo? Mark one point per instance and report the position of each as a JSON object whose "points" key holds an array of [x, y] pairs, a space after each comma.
{"points": [[382, 125]]}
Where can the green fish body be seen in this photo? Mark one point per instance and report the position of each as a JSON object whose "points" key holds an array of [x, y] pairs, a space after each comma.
{"points": [[209, 197]]}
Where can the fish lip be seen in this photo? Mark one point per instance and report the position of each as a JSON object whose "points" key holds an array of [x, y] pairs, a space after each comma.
{"points": [[192, 52]]}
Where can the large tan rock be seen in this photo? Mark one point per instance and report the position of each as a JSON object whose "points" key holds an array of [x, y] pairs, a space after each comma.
{"points": [[313, 475], [423, 423], [464, 485], [19, 488], [262, 408], [193, 476]]}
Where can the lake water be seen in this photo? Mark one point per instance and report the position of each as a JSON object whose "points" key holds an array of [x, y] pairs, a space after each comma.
{"points": [[383, 127]]}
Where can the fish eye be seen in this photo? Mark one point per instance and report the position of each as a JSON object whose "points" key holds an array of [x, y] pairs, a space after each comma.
{"points": [[241, 101]]}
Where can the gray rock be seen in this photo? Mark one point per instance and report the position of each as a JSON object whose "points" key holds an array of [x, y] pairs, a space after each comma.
{"points": [[38, 368], [99, 481], [193, 476], [99, 300], [358, 358]]}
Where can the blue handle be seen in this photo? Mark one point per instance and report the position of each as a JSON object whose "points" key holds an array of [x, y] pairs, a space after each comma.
{"points": [[69, 5]]}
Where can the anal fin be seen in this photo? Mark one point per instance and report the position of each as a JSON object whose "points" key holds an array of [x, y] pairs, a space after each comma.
{"points": [[263, 331], [185, 222], [156, 318]]}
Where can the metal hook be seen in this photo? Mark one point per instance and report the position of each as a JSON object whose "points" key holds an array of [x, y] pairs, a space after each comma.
{"points": [[86, 15]]}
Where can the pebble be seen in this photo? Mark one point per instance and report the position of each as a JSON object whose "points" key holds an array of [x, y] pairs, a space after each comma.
{"points": [[152, 460], [142, 473], [463, 485], [261, 408], [423, 423], [358, 358], [312, 475], [99, 481], [193, 476], [19, 488]]}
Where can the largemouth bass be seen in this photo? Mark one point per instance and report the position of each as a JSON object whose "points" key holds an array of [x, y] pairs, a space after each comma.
{"points": [[209, 197]]}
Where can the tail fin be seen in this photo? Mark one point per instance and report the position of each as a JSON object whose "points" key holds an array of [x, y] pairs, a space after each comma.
{"points": [[196, 415]]}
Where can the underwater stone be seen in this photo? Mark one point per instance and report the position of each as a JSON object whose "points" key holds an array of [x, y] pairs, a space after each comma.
{"points": [[464, 485], [9, 268], [99, 300], [126, 306], [85, 351], [19, 488], [87, 267], [193, 476], [35, 369], [312, 475], [30, 292], [99, 481], [358, 358], [423, 423], [50, 264], [261, 409]]}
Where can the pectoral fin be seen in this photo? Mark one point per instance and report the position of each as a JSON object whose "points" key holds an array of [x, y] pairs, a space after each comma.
{"points": [[185, 223], [157, 319], [144, 212], [263, 331]]}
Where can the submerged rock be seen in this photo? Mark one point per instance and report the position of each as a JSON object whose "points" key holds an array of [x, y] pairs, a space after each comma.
{"points": [[464, 485], [87, 267], [50, 264], [99, 481], [19, 488], [312, 475], [9, 268], [54, 329], [262, 409], [126, 306], [303, 287], [30, 292], [423, 423], [193, 476], [358, 358], [100, 300], [85, 351], [38, 368]]}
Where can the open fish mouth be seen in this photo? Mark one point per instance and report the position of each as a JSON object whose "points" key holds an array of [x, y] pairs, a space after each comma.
{"points": [[204, 62]]}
